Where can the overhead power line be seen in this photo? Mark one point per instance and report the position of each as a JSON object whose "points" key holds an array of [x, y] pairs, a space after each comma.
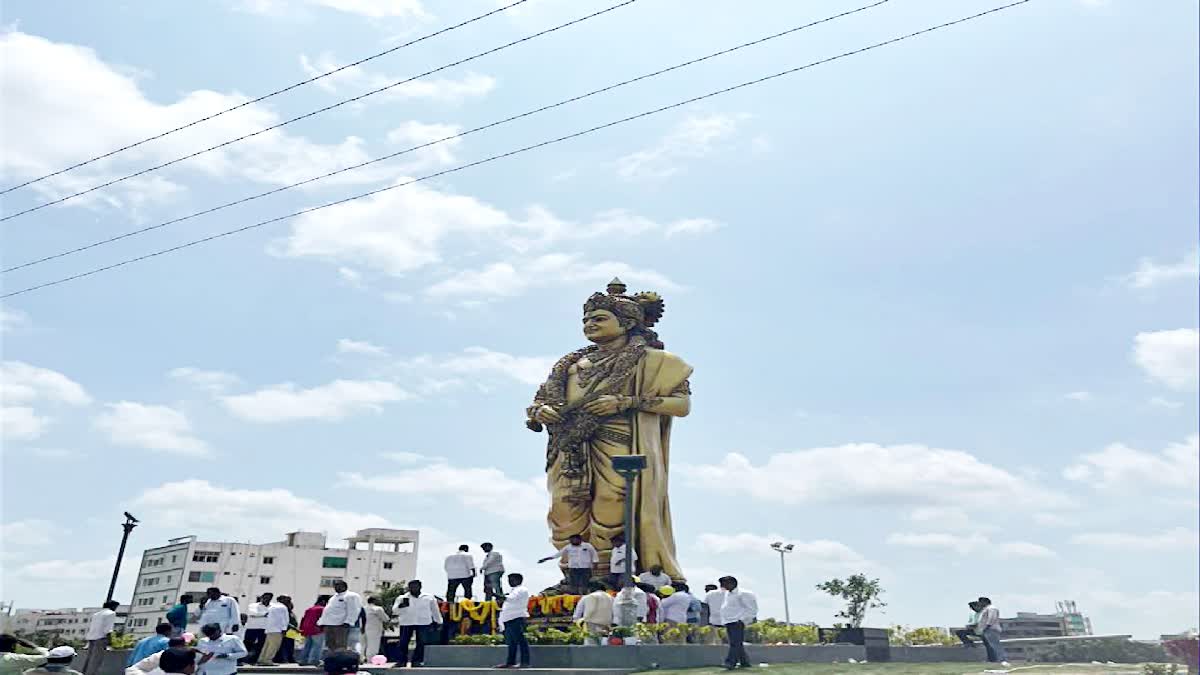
{"points": [[318, 111], [451, 137], [264, 97], [521, 150]]}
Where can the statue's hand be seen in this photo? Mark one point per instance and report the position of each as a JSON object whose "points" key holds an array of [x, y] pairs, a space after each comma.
{"points": [[604, 405], [547, 415]]}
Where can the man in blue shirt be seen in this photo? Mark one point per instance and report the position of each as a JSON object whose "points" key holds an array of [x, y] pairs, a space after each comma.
{"points": [[151, 645], [177, 616]]}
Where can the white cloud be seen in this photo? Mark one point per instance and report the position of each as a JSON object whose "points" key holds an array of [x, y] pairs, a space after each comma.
{"points": [[1120, 467], [961, 544], [359, 79], [29, 533], [371, 9], [1025, 549], [488, 489], [200, 507], [1052, 520], [1081, 396], [21, 423], [12, 319], [1171, 357], [819, 554], [964, 544], [691, 226], [1164, 403], [154, 427], [693, 138], [480, 360], [1150, 274], [68, 571], [1176, 539], [329, 402], [23, 383], [209, 380], [901, 474], [413, 227], [942, 517], [22, 386], [95, 107], [361, 348], [508, 279]]}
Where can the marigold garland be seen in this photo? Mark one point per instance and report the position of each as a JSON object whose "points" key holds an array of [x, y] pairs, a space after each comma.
{"points": [[487, 612]]}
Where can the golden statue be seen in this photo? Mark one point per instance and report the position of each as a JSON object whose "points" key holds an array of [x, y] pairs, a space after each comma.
{"points": [[615, 397]]}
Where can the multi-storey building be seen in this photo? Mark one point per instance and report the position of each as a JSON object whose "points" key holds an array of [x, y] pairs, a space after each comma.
{"points": [[70, 622], [300, 566]]}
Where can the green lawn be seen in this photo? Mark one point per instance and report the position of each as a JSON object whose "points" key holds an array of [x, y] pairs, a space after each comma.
{"points": [[923, 669]]}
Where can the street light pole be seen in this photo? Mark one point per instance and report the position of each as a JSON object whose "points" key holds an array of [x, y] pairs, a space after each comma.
{"points": [[629, 466], [128, 525], [782, 549]]}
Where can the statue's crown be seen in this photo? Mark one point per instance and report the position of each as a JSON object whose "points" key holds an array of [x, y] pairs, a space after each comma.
{"points": [[646, 307]]}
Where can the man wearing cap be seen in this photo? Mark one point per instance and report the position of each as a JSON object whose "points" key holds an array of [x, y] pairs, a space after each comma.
{"points": [[98, 632], [221, 651], [675, 603], [58, 662]]}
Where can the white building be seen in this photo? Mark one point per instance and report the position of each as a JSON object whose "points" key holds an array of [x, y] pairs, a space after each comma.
{"points": [[300, 567], [70, 622]]}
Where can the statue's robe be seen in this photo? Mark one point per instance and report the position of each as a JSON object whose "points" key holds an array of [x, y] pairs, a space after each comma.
{"points": [[659, 375]]}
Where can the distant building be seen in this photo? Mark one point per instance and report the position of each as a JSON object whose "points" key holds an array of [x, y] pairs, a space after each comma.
{"points": [[1067, 621], [70, 622], [300, 566]]}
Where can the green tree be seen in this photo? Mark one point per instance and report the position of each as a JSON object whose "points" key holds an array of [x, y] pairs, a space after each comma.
{"points": [[860, 594]]}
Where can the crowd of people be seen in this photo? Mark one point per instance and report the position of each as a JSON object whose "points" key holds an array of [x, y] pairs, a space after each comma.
{"points": [[343, 622]]}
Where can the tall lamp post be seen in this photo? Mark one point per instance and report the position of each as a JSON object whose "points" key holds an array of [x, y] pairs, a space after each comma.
{"points": [[783, 549], [629, 466], [128, 525]]}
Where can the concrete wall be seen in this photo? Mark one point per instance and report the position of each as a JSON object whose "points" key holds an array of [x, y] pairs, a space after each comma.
{"points": [[639, 656]]}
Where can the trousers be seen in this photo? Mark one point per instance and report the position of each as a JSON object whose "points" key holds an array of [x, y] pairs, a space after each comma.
{"points": [[270, 646], [737, 655], [336, 636], [95, 656], [514, 637], [406, 635]]}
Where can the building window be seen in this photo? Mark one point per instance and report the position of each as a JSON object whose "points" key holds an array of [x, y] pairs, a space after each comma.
{"points": [[387, 565], [203, 577], [174, 558], [330, 562], [206, 556], [166, 598], [385, 585], [151, 581], [328, 582], [264, 580], [169, 578], [268, 560]]}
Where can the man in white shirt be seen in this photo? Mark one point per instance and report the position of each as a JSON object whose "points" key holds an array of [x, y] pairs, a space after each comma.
{"points": [[221, 609], [737, 611], [417, 614], [513, 614], [339, 615], [276, 624], [220, 651], [595, 610], [460, 571], [150, 663], [616, 562], [655, 577], [98, 632], [580, 556], [256, 625], [674, 607], [714, 597], [493, 570], [988, 628]]}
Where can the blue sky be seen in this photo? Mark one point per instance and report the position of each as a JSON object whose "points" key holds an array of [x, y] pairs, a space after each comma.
{"points": [[941, 298]]}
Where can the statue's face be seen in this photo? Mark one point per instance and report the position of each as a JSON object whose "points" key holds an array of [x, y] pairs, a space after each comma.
{"points": [[602, 325]]}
